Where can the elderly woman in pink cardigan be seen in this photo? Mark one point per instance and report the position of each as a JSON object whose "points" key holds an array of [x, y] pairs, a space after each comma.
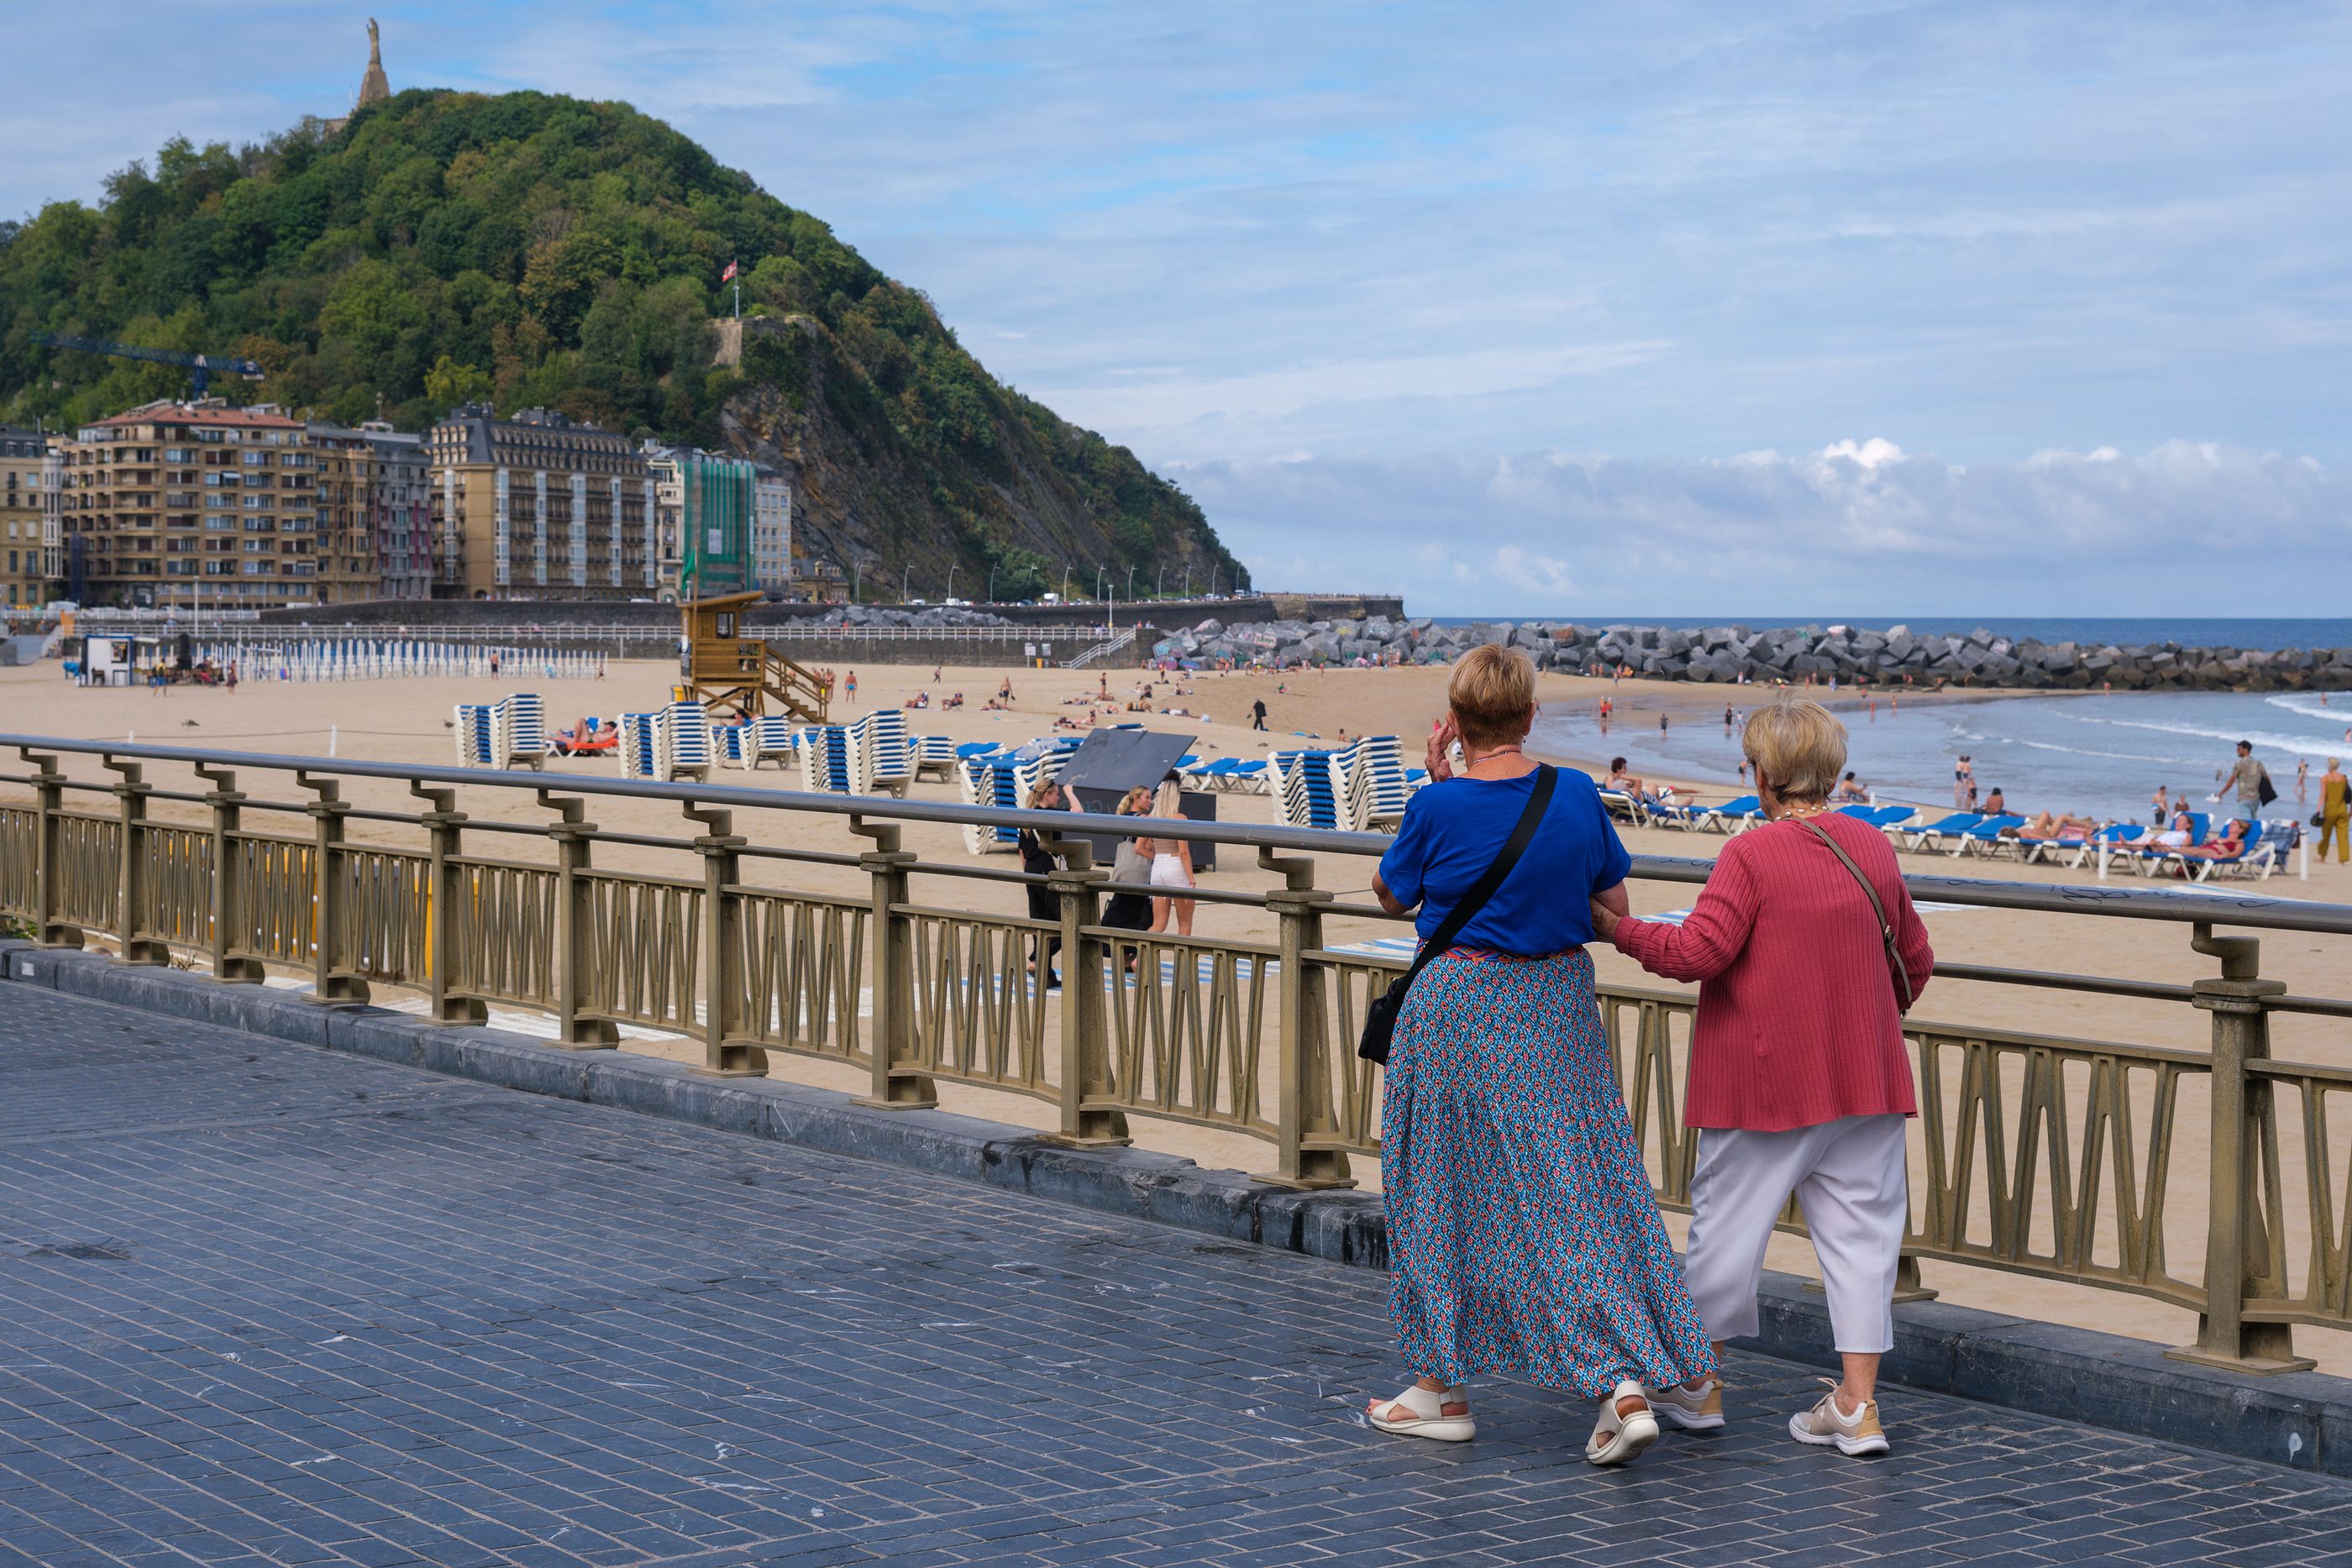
{"points": [[1806, 952]]}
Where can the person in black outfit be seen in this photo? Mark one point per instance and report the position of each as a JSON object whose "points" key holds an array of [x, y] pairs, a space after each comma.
{"points": [[1037, 860], [1258, 710]]}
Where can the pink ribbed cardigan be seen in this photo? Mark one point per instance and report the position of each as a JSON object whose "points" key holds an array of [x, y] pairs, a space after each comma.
{"points": [[1797, 1022]]}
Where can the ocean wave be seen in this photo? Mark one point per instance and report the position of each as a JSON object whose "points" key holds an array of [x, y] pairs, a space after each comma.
{"points": [[2113, 756], [2300, 744], [2308, 706]]}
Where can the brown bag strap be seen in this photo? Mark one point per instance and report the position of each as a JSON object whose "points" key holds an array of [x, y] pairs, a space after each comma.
{"points": [[1901, 975]]}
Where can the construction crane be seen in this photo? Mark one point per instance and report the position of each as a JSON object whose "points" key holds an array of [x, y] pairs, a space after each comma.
{"points": [[201, 367]]}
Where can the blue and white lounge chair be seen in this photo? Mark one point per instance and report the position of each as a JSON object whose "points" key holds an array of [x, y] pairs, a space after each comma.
{"points": [[1733, 815], [1933, 834], [1985, 837]]}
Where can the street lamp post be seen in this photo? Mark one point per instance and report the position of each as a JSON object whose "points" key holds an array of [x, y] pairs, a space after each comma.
{"points": [[992, 586], [1099, 576], [1159, 588], [951, 566], [903, 572], [1130, 580], [1188, 580], [1065, 583]]}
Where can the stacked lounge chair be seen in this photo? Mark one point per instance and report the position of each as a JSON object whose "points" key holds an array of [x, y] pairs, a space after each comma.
{"points": [[670, 743], [771, 737], [935, 757], [1004, 779], [474, 746], [519, 732], [509, 733], [872, 756], [641, 746], [1372, 769]]}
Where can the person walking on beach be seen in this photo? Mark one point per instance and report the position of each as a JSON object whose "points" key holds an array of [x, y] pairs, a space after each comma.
{"points": [[2248, 778], [2335, 812], [2302, 779], [1522, 1225], [1257, 714], [852, 688], [1808, 952], [2162, 801], [1964, 784]]}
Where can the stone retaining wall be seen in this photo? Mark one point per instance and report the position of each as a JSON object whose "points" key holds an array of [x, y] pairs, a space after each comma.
{"points": [[1727, 654]]}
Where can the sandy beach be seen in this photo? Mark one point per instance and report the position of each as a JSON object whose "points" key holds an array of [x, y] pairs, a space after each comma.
{"points": [[407, 720]]}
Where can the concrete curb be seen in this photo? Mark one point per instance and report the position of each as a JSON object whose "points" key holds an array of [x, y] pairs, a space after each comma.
{"points": [[2303, 1420]]}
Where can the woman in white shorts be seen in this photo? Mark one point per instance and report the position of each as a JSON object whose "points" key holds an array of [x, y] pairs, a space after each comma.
{"points": [[1172, 864]]}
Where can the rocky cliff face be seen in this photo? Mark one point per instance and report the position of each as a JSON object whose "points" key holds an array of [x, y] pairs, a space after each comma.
{"points": [[1017, 494]]}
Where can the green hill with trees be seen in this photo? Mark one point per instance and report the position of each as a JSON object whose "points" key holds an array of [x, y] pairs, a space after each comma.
{"points": [[530, 249]]}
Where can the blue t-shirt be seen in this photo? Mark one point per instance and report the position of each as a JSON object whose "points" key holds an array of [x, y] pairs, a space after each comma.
{"points": [[1453, 830]]}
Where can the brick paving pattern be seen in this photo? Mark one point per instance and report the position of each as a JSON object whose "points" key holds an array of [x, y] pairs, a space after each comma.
{"points": [[263, 1304]]}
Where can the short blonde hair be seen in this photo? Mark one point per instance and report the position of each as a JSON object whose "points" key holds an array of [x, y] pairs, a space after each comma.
{"points": [[1491, 693], [1797, 746]]}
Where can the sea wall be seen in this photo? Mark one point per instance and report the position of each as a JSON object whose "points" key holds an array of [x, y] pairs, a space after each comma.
{"points": [[1726, 653]]}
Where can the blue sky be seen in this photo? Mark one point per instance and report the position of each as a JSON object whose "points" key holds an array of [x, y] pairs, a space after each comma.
{"points": [[1591, 309]]}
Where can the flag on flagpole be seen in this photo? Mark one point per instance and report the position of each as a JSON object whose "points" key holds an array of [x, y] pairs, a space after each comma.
{"points": [[728, 275]]}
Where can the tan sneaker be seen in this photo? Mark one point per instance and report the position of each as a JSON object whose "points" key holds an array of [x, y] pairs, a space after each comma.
{"points": [[1700, 1412], [1855, 1432]]}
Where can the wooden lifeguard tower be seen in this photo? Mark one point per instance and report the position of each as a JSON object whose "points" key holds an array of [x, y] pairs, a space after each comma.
{"points": [[726, 667]]}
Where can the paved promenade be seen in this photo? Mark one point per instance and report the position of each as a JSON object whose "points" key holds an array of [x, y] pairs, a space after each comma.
{"points": [[263, 1304]]}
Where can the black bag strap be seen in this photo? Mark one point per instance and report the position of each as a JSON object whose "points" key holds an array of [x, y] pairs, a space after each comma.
{"points": [[1901, 975], [1458, 918]]}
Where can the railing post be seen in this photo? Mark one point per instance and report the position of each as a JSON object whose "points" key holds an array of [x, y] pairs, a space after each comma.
{"points": [[445, 889], [50, 928], [2244, 1240], [1086, 1037], [1303, 1069], [575, 1028], [332, 983], [131, 864], [725, 1053], [228, 883], [899, 1082]]}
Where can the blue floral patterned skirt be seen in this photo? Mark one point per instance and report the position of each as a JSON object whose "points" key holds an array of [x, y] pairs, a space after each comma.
{"points": [[1523, 1232]]}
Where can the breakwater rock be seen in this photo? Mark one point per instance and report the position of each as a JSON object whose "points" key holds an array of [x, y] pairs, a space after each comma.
{"points": [[1895, 657]]}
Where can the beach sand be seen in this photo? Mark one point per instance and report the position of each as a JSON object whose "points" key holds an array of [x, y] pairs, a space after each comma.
{"points": [[407, 720]]}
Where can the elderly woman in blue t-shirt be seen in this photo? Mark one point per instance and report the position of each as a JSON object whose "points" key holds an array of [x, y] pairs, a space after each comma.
{"points": [[1523, 1230]]}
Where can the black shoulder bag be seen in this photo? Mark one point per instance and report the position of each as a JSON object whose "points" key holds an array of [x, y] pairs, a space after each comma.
{"points": [[1380, 1018]]}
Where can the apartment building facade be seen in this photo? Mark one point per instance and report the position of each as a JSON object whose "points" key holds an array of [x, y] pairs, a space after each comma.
{"points": [[27, 516], [539, 506], [194, 506], [402, 518], [721, 522]]}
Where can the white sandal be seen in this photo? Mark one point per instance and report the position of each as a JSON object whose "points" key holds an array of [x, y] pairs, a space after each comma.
{"points": [[1427, 1417], [1617, 1438]]}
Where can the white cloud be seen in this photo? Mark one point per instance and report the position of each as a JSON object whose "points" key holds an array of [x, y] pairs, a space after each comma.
{"points": [[2190, 528]]}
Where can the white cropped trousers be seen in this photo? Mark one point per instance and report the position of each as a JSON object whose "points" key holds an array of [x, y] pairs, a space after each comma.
{"points": [[1849, 1176]]}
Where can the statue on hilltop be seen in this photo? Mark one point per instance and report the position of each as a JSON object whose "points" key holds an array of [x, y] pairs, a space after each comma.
{"points": [[375, 87]]}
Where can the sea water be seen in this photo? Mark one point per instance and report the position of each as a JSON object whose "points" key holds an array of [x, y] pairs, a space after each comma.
{"points": [[2101, 755]]}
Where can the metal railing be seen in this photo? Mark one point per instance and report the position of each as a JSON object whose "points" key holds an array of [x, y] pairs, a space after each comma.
{"points": [[2042, 1155]]}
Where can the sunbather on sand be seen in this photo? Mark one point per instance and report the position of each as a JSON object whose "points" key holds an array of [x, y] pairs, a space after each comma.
{"points": [[2231, 840], [1620, 779], [2050, 826]]}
